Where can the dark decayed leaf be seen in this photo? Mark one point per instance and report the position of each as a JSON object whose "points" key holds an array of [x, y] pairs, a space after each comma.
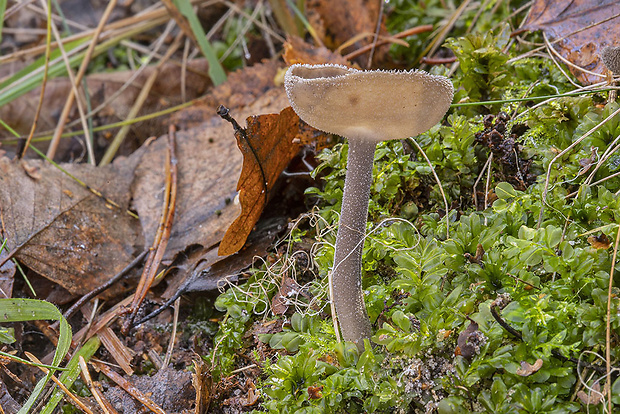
{"points": [[581, 28], [63, 231]]}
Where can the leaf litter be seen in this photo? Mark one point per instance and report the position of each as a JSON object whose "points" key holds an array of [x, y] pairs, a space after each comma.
{"points": [[579, 30]]}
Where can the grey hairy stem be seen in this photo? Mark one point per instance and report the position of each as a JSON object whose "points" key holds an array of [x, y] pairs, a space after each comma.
{"points": [[346, 274]]}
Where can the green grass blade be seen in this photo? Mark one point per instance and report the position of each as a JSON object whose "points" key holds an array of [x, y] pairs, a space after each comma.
{"points": [[21, 310], [2, 10], [216, 71], [73, 370]]}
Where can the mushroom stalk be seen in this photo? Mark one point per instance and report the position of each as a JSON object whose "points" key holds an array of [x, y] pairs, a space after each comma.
{"points": [[365, 107], [347, 272]]}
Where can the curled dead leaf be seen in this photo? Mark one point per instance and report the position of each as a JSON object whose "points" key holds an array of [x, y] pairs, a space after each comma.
{"points": [[314, 392], [599, 242], [528, 369], [267, 146], [470, 341]]}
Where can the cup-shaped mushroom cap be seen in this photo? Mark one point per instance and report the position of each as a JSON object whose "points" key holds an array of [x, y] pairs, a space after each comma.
{"points": [[377, 105]]}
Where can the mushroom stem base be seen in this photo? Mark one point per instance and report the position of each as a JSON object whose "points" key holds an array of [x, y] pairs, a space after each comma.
{"points": [[347, 272]]}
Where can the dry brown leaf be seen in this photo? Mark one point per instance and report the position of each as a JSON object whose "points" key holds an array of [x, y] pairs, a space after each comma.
{"points": [[298, 51], [63, 231], [208, 167], [528, 369], [267, 147], [340, 21], [280, 302], [314, 392], [599, 242], [581, 27], [593, 396]]}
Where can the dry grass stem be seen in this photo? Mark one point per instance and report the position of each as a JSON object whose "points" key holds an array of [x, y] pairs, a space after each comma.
{"points": [[89, 383], [72, 398], [173, 335], [51, 151], [608, 324]]}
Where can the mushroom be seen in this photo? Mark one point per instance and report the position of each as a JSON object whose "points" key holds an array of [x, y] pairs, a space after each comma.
{"points": [[365, 107]]}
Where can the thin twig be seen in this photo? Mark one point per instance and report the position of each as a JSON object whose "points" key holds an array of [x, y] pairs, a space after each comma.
{"points": [[486, 187], [391, 39], [495, 313], [473, 193], [375, 36], [77, 305]]}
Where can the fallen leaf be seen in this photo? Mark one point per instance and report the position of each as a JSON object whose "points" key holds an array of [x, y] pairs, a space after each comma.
{"points": [[593, 396], [528, 369], [253, 394], [209, 164], [578, 30], [267, 147], [208, 271], [348, 21], [599, 242], [280, 301], [298, 51], [63, 231], [478, 257], [314, 392]]}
